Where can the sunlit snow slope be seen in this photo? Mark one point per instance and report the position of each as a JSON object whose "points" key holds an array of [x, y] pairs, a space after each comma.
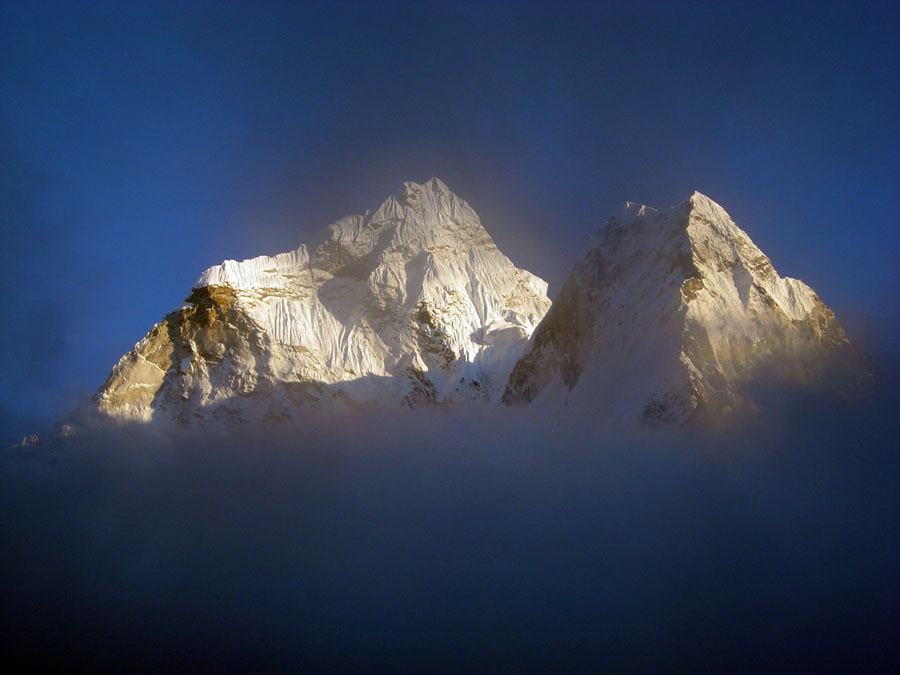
{"points": [[670, 316], [412, 303]]}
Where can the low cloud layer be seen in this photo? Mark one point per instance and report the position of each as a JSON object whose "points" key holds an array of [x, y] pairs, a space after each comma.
{"points": [[461, 539]]}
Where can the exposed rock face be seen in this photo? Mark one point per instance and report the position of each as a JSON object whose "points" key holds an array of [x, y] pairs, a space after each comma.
{"points": [[412, 303], [668, 316]]}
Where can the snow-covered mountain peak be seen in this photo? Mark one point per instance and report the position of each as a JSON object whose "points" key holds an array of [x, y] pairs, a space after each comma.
{"points": [[696, 232], [702, 209], [410, 302], [696, 207], [700, 200], [432, 200], [414, 219], [433, 185], [667, 315]]}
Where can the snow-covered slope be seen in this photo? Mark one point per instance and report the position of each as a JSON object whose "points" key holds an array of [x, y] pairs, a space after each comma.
{"points": [[412, 302], [667, 317]]}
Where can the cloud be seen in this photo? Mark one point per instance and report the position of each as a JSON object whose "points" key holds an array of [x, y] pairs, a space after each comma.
{"points": [[457, 540]]}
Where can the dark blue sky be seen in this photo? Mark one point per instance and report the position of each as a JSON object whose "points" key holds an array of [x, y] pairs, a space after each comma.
{"points": [[142, 142]]}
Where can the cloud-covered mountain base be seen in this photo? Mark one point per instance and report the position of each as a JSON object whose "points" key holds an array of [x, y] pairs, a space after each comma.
{"points": [[459, 540]]}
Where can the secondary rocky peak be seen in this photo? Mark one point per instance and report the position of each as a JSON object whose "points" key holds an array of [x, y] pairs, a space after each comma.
{"points": [[668, 316], [694, 232], [698, 199], [697, 205]]}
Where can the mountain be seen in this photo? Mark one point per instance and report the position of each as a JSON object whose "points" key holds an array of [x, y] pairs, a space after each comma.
{"points": [[672, 316], [669, 317], [412, 302]]}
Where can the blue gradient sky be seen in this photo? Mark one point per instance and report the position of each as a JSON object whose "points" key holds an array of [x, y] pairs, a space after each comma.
{"points": [[142, 142]]}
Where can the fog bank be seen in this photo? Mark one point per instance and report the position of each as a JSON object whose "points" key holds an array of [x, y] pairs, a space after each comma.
{"points": [[460, 540]]}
